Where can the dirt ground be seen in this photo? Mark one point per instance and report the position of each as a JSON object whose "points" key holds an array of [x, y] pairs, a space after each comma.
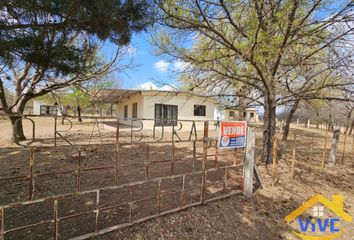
{"points": [[261, 217]]}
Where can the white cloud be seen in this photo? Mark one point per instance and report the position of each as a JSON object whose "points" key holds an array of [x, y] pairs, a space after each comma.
{"points": [[180, 65], [153, 86], [161, 66], [147, 86]]}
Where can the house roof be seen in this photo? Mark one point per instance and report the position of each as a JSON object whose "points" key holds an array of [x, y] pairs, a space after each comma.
{"points": [[249, 109], [119, 95], [336, 206]]}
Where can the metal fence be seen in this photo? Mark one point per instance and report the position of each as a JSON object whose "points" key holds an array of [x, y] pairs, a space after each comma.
{"points": [[82, 190]]}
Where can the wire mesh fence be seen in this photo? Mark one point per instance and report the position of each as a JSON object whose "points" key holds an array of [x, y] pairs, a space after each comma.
{"points": [[78, 190]]}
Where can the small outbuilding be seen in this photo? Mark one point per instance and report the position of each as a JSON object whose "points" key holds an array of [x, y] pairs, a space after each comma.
{"points": [[234, 114]]}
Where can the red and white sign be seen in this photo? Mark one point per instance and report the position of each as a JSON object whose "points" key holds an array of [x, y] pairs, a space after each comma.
{"points": [[232, 134]]}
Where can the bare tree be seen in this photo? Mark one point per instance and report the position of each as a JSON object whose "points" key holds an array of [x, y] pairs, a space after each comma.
{"points": [[30, 81], [256, 43]]}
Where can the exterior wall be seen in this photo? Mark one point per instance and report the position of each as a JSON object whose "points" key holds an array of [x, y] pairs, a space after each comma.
{"points": [[36, 107], [133, 99], [236, 114], [248, 115], [227, 115], [146, 108], [185, 108]]}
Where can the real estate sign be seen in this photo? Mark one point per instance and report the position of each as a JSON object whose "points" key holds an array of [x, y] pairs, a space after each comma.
{"points": [[232, 134]]}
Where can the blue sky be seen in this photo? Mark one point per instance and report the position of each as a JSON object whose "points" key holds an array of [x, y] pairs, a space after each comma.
{"points": [[148, 67]]}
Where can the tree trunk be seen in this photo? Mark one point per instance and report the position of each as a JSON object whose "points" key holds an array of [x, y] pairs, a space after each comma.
{"points": [[351, 127], [242, 109], [79, 114], [17, 128], [335, 140], [289, 117], [317, 120], [268, 129], [286, 129], [16, 121]]}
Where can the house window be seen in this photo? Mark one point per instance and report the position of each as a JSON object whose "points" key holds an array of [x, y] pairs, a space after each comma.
{"points": [[199, 110], [166, 115], [318, 211], [231, 114], [48, 110], [125, 111], [252, 115], [135, 110]]}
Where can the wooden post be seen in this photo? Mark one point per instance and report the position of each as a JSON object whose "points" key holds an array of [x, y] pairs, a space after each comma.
{"points": [[353, 146], [194, 155], [205, 159], [117, 133], [55, 131], [344, 146], [324, 151], [147, 162], [216, 154], [308, 123], [173, 153], [274, 166], [55, 231], [235, 156], [293, 161], [1, 223], [249, 162], [311, 151], [31, 173], [335, 140], [78, 171]]}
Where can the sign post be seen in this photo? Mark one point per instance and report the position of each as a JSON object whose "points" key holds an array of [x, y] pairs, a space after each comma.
{"points": [[235, 134]]}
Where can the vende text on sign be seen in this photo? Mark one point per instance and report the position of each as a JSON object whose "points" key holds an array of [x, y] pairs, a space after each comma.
{"points": [[232, 134]]}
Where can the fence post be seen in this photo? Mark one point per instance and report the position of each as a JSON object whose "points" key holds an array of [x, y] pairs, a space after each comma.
{"points": [[293, 161], [235, 156], [1, 223], [173, 151], [55, 131], [147, 161], [249, 162], [344, 146], [324, 150], [31, 172], [311, 151], [353, 146], [216, 154], [55, 230], [205, 159], [335, 140], [194, 155]]}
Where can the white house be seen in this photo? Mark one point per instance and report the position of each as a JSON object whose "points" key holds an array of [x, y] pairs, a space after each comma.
{"points": [[167, 106], [42, 108]]}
